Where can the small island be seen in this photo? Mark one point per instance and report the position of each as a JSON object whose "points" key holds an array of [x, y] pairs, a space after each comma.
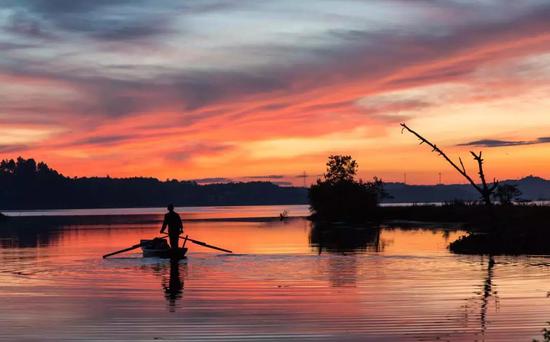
{"points": [[497, 223]]}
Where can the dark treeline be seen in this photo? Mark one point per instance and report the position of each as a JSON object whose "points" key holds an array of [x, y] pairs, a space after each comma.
{"points": [[26, 184]]}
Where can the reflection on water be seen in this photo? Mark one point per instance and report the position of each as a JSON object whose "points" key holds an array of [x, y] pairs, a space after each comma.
{"points": [[287, 281], [171, 275], [345, 239], [487, 293], [174, 288], [28, 234]]}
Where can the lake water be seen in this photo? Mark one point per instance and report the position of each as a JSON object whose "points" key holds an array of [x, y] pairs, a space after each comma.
{"points": [[286, 281]]}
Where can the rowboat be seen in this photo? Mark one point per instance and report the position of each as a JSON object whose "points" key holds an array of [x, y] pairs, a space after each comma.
{"points": [[158, 248]]}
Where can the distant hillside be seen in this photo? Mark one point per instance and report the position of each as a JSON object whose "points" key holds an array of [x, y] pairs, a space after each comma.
{"points": [[25, 184], [532, 188]]}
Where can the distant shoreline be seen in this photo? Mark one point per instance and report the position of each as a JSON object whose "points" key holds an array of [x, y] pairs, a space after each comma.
{"points": [[199, 208], [28, 185], [154, 215], [189, 211], [144, 219]]}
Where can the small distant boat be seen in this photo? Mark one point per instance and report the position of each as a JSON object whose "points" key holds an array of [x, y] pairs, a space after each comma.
{"points": [[159, 248]]}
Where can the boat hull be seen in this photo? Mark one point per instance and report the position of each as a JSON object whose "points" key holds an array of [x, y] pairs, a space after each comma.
{"points": [[164, 253], [158, 248]]}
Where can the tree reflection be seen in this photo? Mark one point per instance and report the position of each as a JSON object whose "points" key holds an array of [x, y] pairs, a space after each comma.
{"points": [[342, 271], [487, 293], [345, 239], [482, 300], [29, 232]]}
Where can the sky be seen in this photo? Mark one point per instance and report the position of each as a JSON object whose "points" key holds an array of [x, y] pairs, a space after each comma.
{"points": [[253, 90]]}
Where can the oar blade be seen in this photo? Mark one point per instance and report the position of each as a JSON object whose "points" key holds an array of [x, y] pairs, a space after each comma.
{"points": [[122, 250], [209, 246], [204, 244]]}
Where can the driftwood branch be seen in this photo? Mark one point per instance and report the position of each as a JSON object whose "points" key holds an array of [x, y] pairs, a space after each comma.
{"points": [[462, 170], [484, 189]]}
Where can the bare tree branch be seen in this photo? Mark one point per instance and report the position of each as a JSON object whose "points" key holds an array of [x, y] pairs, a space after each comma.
{"points": [[484, 189], [441, 153], [462, 164]]}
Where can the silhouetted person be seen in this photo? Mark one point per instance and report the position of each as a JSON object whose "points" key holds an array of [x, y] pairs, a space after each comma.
{"points": [[172, 220]]}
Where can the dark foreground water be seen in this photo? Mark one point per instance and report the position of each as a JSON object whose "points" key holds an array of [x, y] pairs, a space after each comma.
{"points": [[286, 281]]}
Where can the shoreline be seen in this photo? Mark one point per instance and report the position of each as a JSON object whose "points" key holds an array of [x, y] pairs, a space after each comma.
{"points": [[130, 219]]}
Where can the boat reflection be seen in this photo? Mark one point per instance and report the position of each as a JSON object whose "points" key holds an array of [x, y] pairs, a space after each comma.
{"points": [[171, 273], [173, 288], [345, 239]]}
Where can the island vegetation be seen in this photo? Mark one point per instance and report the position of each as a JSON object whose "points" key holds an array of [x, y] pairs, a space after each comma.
{"points": [[339, 197], [497, 222], [498, 226]]}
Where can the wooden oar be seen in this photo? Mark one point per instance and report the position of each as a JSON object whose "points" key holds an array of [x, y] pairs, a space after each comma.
{"points": [[207, 245], [128, 249], [122, 250], [204, 244]]}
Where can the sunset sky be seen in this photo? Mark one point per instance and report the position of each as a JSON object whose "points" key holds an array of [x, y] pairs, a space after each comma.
{"points": [[248, 89]]}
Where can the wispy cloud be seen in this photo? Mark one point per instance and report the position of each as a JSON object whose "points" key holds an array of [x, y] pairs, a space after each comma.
{"points": [[505, 143], [212, 180], [283, 183], [187, 153], [13, 148], [266, 177]]}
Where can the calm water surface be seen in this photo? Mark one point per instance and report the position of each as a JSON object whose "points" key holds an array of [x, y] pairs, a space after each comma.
{"points": [[286, 281]]}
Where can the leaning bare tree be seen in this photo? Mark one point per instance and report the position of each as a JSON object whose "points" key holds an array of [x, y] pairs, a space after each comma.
{"points": [[484, 189]]}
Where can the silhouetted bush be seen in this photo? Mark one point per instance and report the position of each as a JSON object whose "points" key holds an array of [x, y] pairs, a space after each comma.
{"points": [[339, 197], [511, 242], [506, 193]]}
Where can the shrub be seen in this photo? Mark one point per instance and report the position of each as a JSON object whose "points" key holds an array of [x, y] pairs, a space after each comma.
{"points": [[339, 197]]}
